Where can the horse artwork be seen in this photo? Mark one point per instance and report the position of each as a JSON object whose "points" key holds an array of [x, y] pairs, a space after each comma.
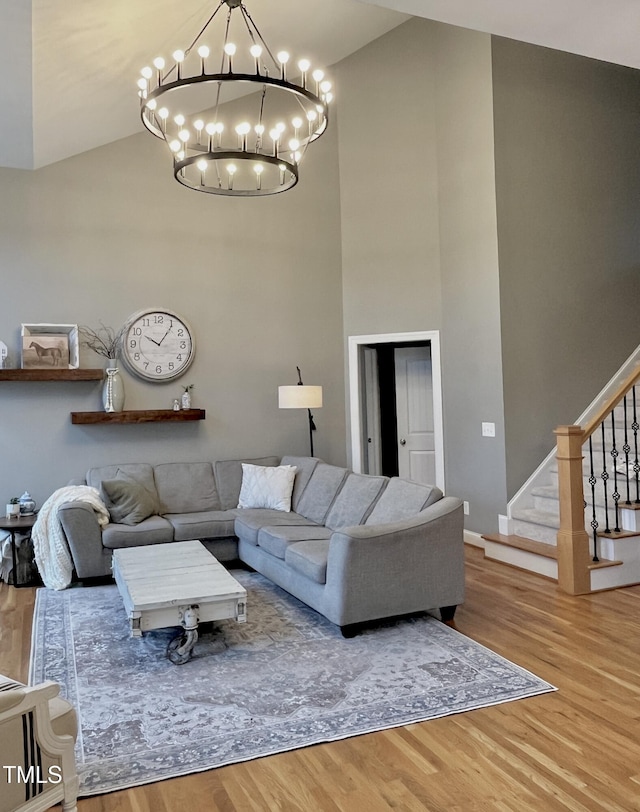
{"points": [[48, 352]]}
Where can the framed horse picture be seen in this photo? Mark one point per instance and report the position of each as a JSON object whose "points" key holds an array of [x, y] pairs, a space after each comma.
{"points": [[50, 346]]}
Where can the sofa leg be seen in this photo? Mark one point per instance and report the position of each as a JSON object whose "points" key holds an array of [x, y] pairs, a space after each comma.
{"points": [[447, 613], [351, 630]]}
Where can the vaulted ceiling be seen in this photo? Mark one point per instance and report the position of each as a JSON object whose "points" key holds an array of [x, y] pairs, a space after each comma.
{"points": [[68, 68]]}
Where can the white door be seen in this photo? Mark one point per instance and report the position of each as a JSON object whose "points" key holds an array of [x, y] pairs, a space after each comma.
{"points": [[414, 405]]}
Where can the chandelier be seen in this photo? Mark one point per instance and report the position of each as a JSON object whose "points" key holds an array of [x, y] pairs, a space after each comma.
{"points": [[235, 122]]}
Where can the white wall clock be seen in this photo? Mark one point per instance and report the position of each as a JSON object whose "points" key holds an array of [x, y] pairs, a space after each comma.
{"points": [[157, 345]]}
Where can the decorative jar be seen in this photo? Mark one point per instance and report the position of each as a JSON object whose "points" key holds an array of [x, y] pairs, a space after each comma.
{"points": [[27, 504]]}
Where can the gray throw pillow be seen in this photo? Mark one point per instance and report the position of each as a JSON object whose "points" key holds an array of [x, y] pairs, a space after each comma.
{"points": [[128, 502]]}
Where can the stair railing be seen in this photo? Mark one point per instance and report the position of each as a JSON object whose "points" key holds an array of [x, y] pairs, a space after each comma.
{"points": [[612, 467]]}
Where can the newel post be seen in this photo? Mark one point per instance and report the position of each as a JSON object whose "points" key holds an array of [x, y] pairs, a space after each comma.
{"points": [[573, 542]]}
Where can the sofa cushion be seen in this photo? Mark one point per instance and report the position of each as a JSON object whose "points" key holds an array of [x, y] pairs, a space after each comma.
{"points": [[137, 471], [229, 478], [250, 521], [186, 487], [203, 524], [355, 500], [276, 540], [324, 484], [127, 501], [267, 486], [309, 558], [401, 500], [306, 466], [154, 530]]}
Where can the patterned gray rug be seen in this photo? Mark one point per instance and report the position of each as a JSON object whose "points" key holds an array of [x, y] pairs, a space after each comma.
{"points": [[283, 680]]}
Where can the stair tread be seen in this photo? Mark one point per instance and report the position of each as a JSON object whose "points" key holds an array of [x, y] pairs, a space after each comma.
{"points": [[522, 543], [541, 549], [621, 534], [603, 563]]}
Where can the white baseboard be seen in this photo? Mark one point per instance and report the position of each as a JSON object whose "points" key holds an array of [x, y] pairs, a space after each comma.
{"points": [[505, 525], [475, 539]]}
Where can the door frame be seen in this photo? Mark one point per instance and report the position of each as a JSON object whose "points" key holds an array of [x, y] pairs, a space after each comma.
{"points": [[355, 392]]}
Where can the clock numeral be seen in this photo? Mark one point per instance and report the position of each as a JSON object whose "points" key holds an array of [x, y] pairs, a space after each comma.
{"points": [[158, 369], [136, 356], [146, 322], [158, 319], [180, 333], [137, 331], [146, 364], [183, 345], [133, 343], [171, 365], [179, 357]]}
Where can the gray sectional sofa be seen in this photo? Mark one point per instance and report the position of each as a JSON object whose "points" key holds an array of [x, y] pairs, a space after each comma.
{"points": [[355, 548]]}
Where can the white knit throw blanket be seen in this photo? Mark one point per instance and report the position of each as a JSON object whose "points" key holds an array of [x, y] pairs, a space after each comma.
{"points": [[49, 542]]}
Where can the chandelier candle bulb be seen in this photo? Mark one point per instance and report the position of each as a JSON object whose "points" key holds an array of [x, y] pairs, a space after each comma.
{"points": [[179, 58], [203, 53], [275, 136], [202, 166], [283, 58], [256, 52], [304, 66], [231, 169], [230, 50]]}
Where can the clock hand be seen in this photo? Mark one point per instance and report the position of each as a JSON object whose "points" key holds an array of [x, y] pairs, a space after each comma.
{"points": [[164, 336], [154, 341]]}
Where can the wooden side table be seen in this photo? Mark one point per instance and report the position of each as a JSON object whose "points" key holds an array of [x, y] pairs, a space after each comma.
{"points": [[21, 524]]}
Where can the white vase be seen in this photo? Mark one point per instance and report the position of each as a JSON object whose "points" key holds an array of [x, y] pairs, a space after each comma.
{"points": [[113, 390], [186, 400]]}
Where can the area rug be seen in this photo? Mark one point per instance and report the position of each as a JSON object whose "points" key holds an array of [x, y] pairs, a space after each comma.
{"points": [[285, 679]]}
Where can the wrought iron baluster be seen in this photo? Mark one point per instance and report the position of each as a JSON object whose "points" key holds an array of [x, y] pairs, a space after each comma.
{"points": [[605, 477], [614, 462], [626, 448], [594, 521], [636, 464]]}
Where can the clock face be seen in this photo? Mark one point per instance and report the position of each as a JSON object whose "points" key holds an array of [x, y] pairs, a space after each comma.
{"points": [[157, 345]]}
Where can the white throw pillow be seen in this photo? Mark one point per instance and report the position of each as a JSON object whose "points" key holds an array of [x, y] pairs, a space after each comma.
{"points": [[267, 486]]}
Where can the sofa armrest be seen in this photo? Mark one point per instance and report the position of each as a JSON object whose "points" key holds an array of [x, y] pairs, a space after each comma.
{"points": [[376, 571], [84, 537]]}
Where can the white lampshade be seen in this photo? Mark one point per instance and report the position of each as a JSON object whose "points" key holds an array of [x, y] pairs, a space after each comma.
{"points": [[299, 397]]}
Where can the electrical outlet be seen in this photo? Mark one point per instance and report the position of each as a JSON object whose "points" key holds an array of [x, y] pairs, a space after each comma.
{"points": [[465, 507], [488, 429]]}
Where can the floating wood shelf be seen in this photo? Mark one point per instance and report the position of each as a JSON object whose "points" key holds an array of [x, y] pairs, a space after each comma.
{"points": [[138, 416], [51, 374]]}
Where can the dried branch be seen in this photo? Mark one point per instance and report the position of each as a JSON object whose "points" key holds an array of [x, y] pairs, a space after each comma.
{"points": [[104, 341]]}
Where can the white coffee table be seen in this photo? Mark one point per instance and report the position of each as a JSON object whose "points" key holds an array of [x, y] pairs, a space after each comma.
{"points": [[176, 584]]}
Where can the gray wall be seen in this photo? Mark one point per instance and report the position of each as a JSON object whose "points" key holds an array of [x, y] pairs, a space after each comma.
{"points": [[568, 195], [104, 234], [419, 245], [471, 357], [388, 184]]}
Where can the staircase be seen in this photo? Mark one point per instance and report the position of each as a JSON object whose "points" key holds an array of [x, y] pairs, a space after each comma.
{"points": [[528, 537]]}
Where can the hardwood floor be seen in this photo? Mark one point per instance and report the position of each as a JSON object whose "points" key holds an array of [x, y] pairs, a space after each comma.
{"points": [[575, 749]]}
